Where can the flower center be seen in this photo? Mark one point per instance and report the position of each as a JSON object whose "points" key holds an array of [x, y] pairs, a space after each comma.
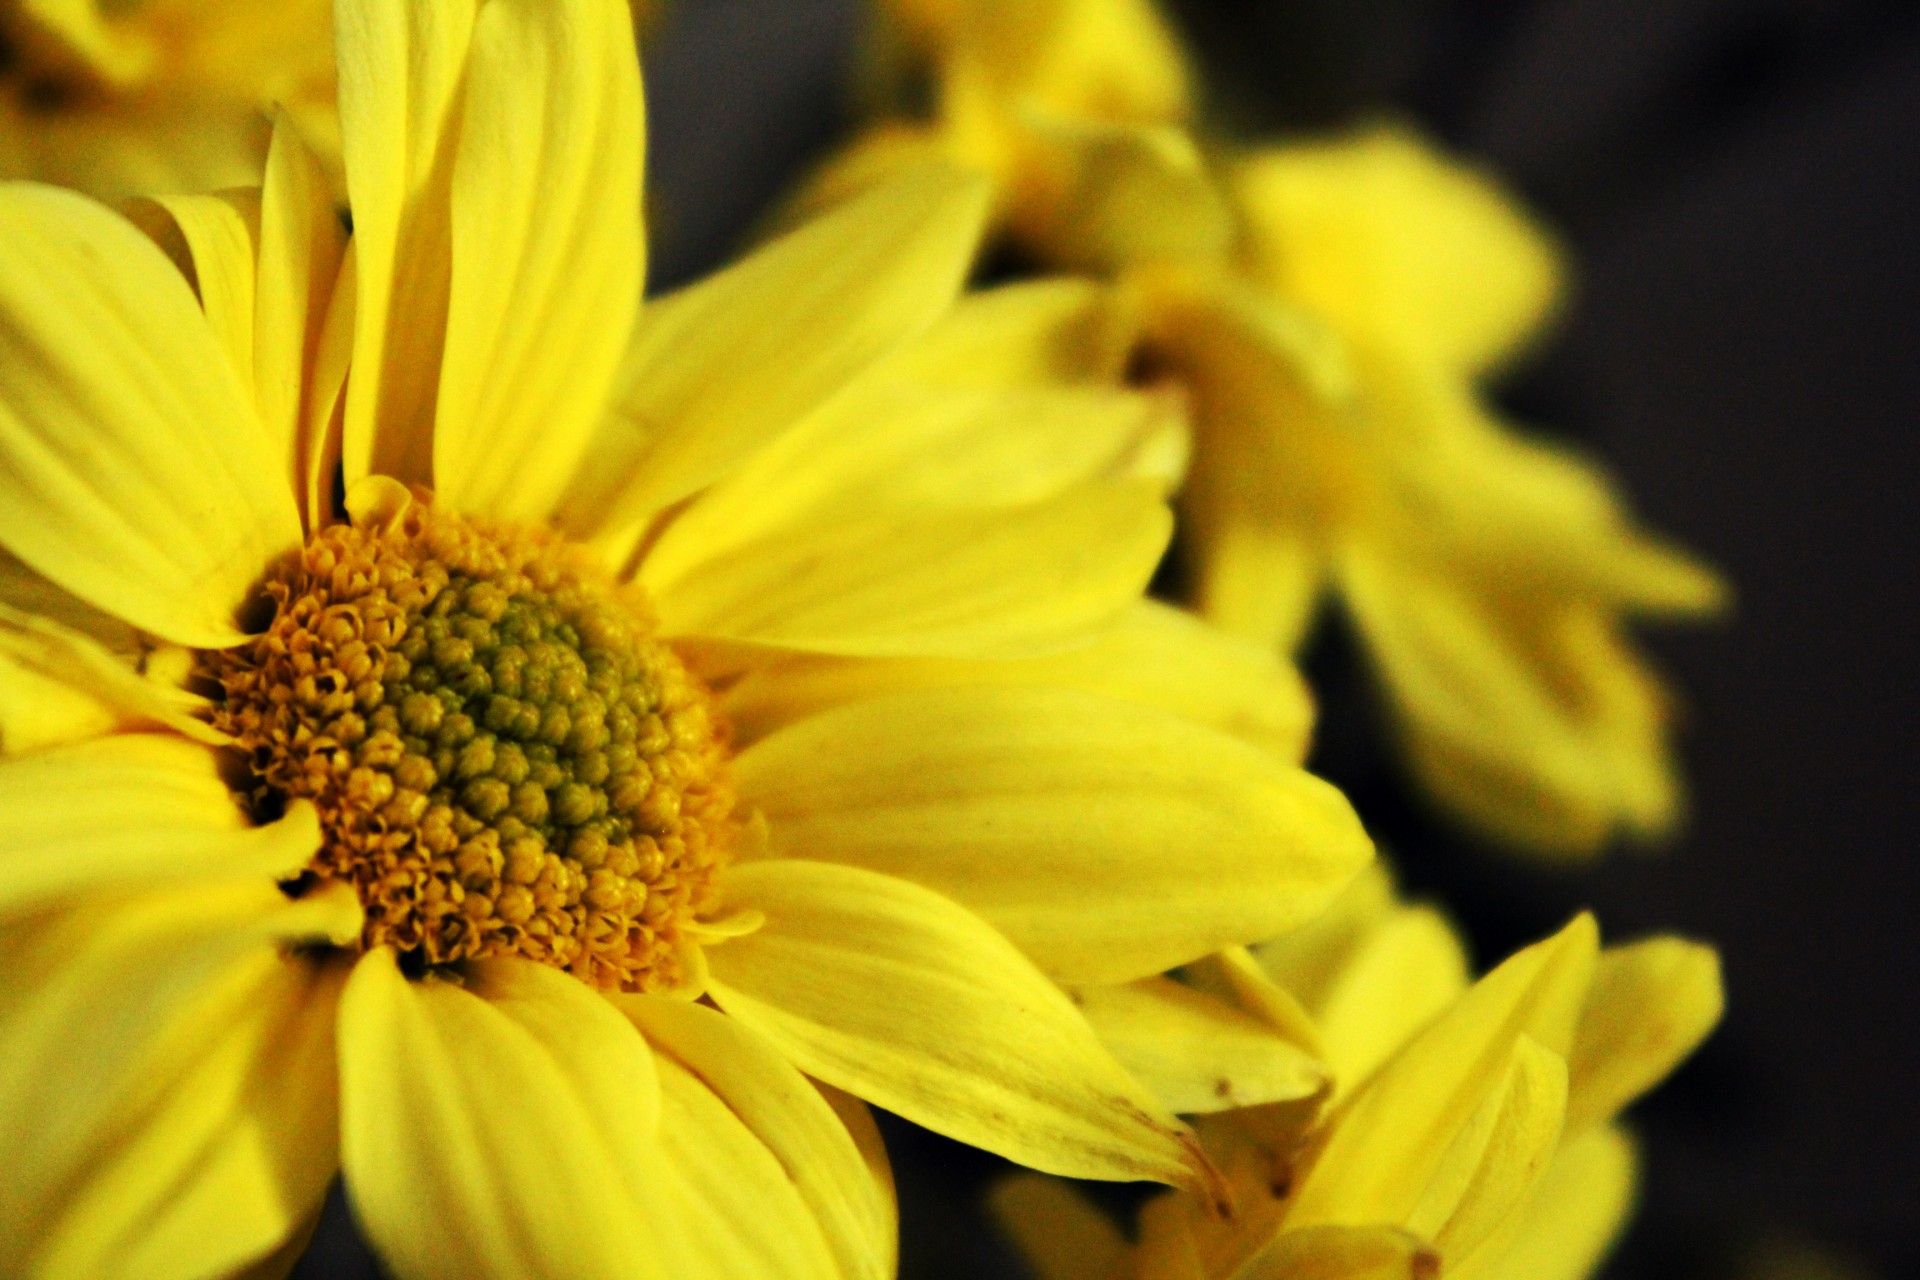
{"points": [[505, 756]]}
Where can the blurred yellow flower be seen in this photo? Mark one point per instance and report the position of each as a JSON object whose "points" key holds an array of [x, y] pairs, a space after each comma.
{"points": [[1332, 308], [1466, 1129], [118, 99], [1075, 108], [474, 732]]}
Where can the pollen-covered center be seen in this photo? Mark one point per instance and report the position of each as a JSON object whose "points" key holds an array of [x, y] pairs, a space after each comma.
{"points": [[505, 757]]}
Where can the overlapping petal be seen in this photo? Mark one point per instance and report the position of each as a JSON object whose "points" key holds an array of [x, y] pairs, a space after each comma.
{"points": [[302, 242], [846, 1204], [402, 72], [1108, 841], [1389, 1140], [896, 994], [129, 449], [955, 583], [721, 368], [167, 1086], [61, 685], [504, 1128], [1652, 1004], [1380, 233], [1574, 1215], [1196, 1052], [546, 250], [1155, 656], [133, 810]]}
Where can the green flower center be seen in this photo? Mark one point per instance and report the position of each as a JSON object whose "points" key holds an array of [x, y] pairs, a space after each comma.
{"points": [[505, 756]]}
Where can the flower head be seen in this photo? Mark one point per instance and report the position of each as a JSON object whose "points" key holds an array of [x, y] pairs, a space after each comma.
{"points": [[1465, 1129], [1334, 307], [1488, 575], [474, 732]]}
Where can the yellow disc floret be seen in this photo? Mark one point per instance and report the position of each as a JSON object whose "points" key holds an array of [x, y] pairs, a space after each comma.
{"points": [[505, 756]]}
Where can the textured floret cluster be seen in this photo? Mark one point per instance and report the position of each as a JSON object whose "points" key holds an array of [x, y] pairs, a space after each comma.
{"points": [[506, 758]]}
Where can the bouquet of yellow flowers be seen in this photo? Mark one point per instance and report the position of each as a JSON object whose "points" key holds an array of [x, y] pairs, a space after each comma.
{"points": [[554, 758]]}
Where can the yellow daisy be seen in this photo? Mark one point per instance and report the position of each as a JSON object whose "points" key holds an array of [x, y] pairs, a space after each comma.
{"points": [[1344, 447], [1467, 1130], [474, 733], [157, 95], [1332, 307]]}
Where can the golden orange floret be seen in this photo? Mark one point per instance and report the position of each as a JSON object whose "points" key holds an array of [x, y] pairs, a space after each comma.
{"points": [[505, 756]]}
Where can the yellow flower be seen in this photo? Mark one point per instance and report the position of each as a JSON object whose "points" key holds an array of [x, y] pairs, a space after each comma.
{"points": [[473, 732], [1468, 1130], [118, 99], [1333, 307], [1344, 446]]}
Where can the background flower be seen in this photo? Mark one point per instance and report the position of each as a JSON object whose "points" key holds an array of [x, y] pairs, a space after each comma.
{"points": [[1733, 179]]}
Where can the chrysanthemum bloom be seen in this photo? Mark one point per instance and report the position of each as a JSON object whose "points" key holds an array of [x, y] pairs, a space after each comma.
{"points": [[503, 744], [1345, 447], [1466, 1131], [157, 95], [1334, 308]]}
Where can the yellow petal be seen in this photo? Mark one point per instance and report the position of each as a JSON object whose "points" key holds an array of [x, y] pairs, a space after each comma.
{"points": [[134, 472], [950, 582], [1099, 58], [1233, 975], [1515, 716], [722, 368], [1102, 196], [897, 995], [1109, 842], [1491, 1168], [41, 710], [1345, 1253], [1255, 580], [47, 666], [734, 1211], [238, 1156], [502, 1129], [1155, 656], [1652, 1004], [1167, 1249], [1033, 333], [164, 1045], [50, 642], [1309, 961], [322, 443], [401, 71], [1196, 1052], [1387, 237], [1391, 1136], [1258, 499], [221, 232], [857, 1116], [119, 51], [133, 810], [1400, 977], [301, 244], [908, 449], [850, 1208], [1575, 1215], [30, 593], [1509, 514], [1061, 1236], [547, 250]]}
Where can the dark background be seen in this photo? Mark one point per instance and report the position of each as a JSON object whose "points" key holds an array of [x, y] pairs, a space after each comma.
{"points": [[1738, 180]]}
